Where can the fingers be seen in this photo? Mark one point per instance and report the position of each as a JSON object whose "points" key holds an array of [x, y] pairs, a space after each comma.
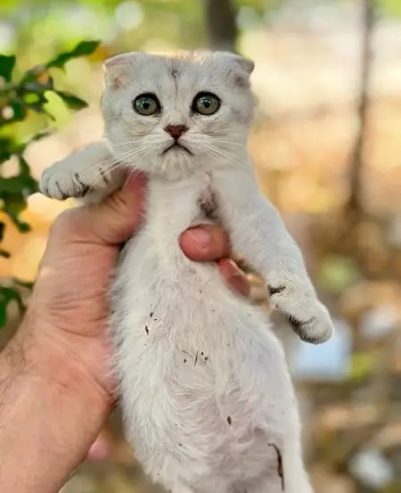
{"points": [[122, 212], [234, 276], [113, 221], [207, 242]]}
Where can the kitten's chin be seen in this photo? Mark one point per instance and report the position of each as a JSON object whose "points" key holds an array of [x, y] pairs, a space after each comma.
{"points": [[175, 164], [176, 149]]}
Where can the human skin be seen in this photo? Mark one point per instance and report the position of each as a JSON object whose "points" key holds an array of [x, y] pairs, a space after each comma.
{"points": [[56, 387]]}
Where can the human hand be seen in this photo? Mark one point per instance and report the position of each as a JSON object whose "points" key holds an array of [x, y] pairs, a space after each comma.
{"points": [[69, 307], [59, 361]]}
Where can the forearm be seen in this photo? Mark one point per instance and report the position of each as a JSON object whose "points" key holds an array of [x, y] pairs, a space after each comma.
{"points": [[257, 231], [255, 227], [50, 413]]}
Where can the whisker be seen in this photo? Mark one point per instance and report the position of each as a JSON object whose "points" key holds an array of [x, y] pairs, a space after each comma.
{"points": [[228, 157], [113, 163]]}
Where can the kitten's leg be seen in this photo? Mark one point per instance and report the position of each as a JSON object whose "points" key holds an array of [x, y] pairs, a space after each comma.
{"points": [[90, 172], [286, 473], [295, 476], [257, 231], [269, 486], [181, 489], [290, 465]]}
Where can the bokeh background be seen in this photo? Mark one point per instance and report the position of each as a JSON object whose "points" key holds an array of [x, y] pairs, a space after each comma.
{"points": [[327, 148]]}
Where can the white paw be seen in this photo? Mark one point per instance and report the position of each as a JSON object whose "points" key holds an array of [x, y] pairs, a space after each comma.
{"points": [[61, 181], [308, 317]]}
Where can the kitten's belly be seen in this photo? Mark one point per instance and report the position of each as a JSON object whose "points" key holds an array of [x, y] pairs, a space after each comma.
{"points": [[198, 366]]}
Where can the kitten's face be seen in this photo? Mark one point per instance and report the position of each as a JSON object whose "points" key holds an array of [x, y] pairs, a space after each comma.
{"points": [[172, 115]]}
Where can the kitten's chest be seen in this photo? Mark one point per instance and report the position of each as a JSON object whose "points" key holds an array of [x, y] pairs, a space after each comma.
{"points": [[175, 206]]}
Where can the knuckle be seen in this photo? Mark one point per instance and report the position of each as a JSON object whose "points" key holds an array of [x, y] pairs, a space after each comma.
{"points": [[117, 203], [220, 239]]}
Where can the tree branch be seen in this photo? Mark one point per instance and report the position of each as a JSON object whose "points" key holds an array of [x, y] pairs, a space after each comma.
{"points": [[220, 20], [357, 160]]}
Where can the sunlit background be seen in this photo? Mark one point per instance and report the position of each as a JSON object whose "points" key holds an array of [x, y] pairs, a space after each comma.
{"points": [[327, 147]]}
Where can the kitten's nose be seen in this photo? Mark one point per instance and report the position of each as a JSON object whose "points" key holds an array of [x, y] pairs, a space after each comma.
{"points": [[176, 130]]}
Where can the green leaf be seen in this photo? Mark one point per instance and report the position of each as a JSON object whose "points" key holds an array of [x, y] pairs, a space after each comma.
{"points": [[3, 313], [7, 64], [23, 167], [14, 192], [17, 100], [13, 205], [33, 91], [82, 49], [17, 184], [7, 146], [73, 102], [36, 80], [7, 295], [14, 111], [22, 226], [19, 109], [31, 98]]}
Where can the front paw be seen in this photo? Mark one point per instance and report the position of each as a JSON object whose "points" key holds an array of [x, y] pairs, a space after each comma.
{"points": [[308, 317], [60, 182]]}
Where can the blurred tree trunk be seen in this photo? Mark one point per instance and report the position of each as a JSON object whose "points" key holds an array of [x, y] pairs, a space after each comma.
{"points": [[220, 20], [358, 152]]}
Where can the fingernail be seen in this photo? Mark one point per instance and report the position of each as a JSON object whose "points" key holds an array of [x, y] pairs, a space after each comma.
{"points": [[199, 236], [236, 273]]}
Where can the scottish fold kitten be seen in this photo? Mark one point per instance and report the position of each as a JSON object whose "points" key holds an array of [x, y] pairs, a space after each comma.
{"points": [[208, 402]]}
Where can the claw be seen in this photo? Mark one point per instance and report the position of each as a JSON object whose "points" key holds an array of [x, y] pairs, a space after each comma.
{"points": [[63, 195], [300, 328], [84, 188]]}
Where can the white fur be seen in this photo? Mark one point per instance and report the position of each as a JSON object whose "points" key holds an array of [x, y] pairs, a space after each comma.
{"points": [[207, 398]]}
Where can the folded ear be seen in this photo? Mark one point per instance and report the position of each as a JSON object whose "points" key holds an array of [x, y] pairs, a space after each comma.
{"points": [[239, 67], [244, 64], [118, 68]]}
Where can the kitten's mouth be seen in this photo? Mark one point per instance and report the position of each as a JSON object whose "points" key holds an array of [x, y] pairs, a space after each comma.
{"points": [[177, 145]]}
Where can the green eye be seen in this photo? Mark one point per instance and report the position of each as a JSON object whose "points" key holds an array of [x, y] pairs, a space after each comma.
{"points": [[146, 104], [206, 103]]}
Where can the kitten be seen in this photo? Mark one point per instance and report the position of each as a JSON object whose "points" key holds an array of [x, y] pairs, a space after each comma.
{"points": [[207, 397]]}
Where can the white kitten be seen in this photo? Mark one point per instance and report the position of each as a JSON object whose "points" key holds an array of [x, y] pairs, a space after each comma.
{"points": [[207, 397]]}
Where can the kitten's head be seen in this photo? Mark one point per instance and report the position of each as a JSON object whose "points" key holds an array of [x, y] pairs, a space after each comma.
{"points": [[171, 115]]}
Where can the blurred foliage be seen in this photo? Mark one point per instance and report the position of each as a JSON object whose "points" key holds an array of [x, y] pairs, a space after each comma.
{"points": [[337, 273], [364, 364], [390, 7], [358, 272], [19, 97], [124, 24]]}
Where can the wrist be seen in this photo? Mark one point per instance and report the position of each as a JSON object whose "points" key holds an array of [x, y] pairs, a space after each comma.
{"points": [[65, 362], [49, 404]]}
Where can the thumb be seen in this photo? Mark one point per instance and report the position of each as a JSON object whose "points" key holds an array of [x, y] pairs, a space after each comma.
{"points": [[114, 220]]}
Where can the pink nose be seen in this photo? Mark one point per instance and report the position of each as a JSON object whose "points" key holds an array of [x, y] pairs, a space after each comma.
{"points": [[176, 130]]}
